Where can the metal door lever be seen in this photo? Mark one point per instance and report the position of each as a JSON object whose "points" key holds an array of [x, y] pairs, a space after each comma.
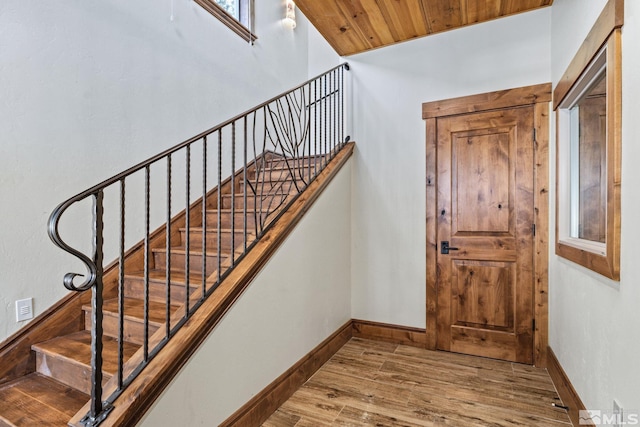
{"points": [[445, 248]]}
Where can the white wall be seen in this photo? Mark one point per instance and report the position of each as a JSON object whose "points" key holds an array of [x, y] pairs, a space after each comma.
{"points": [[593, 321], [321, 55], [300, 298], [390, 85], [89, 88]]}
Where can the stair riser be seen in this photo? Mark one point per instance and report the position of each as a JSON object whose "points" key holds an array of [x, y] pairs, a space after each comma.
{"points": [[178, 262], [261, 185], [279, 175], [71, 374], [269, 202], [277, 165], [225, 220], [265, 191], [134, 288], [195, 239], [133, 330]]}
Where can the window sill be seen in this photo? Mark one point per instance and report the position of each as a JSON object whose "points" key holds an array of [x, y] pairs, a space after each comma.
{"points": [[596, 248], [601, 264]]}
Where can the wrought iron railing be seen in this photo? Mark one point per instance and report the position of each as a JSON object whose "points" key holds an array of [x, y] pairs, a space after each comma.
{"points": [[268, 156]]}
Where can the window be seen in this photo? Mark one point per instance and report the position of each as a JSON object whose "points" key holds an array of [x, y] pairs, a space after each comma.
{"points": [[235, 14], [589, 110], [231, 6], [582, 118]]}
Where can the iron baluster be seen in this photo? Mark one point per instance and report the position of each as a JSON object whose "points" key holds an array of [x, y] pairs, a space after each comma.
{"points": [[187, 250], [204, 218], [333, 108], [147, 249], [308, 124], [233, 194], [168, 253], [260, 171], [324, 118], [342, 105], [331, 111], [121, 267], [98, 410], [219, 236], [315, 125], [244, 186], [319, 108]]}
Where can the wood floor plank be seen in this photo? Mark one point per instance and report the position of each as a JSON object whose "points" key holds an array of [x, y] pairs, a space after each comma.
{"points": [[374, 417], [506, 399], [312, 409], [341, 387], [356, 392], [472, 413], [372, 345], [282, 419], [375, 383], [355, 366]]}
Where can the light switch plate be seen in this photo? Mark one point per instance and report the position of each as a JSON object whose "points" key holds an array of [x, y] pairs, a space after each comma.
{"points": [[24, 309]]}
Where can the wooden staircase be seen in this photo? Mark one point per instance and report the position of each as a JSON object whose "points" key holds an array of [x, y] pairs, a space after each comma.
{"points": [[51, 382]]}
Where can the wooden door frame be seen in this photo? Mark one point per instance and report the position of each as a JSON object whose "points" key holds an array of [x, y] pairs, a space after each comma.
{"points": [[538, 97]]}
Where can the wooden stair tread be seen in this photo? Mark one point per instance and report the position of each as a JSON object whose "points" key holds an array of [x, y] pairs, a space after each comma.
{"points": [[177, 277], [38, 400], [134, 310], [294, 166], [265, 177], [182, 250], [266, 182], [215, 230], [228, 210], [76, 348], [262, 197]]}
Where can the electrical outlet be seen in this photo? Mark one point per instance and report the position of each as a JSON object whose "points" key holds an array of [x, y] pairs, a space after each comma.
{"points": [[24, 309], [619, 413]]}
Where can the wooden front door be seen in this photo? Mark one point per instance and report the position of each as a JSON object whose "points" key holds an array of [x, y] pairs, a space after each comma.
{"points": [[485, 211]]}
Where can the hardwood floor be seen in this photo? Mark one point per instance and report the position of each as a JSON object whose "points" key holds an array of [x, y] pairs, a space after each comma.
{"points": [[382, 384]]}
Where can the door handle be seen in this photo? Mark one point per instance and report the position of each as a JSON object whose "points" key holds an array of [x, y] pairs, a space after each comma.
{"points": [[445, 248]]}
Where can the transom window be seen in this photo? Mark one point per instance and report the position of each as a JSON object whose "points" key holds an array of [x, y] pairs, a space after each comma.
{"points": [[235, 14], [231, 6]]}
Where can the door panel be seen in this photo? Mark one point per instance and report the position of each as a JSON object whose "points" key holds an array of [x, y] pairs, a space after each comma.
{"points": [[485, 207], [483, 182], [484, 293]]}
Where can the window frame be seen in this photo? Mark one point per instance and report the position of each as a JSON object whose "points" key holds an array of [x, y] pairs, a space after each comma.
{"points": [[243, 27], [602, 49]]}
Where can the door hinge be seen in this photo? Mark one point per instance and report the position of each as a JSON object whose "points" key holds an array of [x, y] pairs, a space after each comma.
{"points": [[533, 229], [533, 324]]}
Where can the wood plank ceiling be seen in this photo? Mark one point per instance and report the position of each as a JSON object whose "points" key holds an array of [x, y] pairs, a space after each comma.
{"points": [[354, 26]]}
